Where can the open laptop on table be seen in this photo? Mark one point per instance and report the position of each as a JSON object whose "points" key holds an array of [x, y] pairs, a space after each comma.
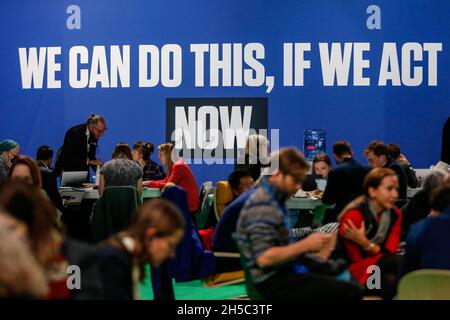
{"points": [[74, 179], [70, 181]]}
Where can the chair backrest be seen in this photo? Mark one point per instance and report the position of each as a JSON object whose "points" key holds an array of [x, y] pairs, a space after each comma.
{"points": [[223, 197], [191, 260], [113, 211], [426, 284], [205, 189], [252, 292], [202, 217], [206, 203]]}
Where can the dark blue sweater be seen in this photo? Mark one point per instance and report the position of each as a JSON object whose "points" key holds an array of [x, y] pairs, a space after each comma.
{"points": [[427, 245]]}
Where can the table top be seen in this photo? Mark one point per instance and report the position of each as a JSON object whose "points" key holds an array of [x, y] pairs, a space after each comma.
{"points": [[90, 193], [309, 204], [292, 203]]}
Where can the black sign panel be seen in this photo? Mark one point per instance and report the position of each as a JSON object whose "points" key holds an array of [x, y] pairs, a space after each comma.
{"points": [[214, 127]]}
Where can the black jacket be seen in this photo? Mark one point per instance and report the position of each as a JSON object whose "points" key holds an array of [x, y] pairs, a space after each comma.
{"points": [[115, 273], [50, 186], [84, 256], [74, 154], [416, 209], [445, 152], [345, 183], [402, 179], [411, 177]]}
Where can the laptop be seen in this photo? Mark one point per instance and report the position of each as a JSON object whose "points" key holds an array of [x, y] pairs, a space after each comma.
{"points": [[74, 178], [321, 183], [72, 197]]}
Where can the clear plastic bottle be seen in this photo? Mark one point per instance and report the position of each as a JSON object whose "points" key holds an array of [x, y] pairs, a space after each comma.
{"points": [[314, 143], [97, 176]]}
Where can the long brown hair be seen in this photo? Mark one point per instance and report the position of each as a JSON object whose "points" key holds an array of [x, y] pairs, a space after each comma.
{"points": [[146, 149], [373, 180], [34, 169], [160, 214], [21, 275], [166, 149], [122, 150], [28, 205]]}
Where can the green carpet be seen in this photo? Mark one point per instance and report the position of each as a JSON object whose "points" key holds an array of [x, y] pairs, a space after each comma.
{"points": [[193, 290]]}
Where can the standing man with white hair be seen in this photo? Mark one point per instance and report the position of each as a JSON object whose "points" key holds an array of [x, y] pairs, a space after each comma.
{"points": [[80, 146]]}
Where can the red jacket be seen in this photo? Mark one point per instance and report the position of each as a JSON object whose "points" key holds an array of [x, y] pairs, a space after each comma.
{"points": [[182, 176], [359, 262]]}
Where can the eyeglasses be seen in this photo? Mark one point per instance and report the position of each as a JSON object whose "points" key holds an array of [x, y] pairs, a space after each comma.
{"points": [[13, 154], [100, 132]]}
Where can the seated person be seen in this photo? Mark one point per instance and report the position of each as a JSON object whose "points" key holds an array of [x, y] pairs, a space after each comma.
{"points": [[418, 207], [395, 153], [377, 157], [141, 153], [240, 182], [370, 230], [428, 239], [256, 155], [344, 182], [34, 218], [321, 165], [179, 173], [320, 169], [121, 170], [226, 226], [25, 169], [152, 238], [44, 157], [278, 265], [21, 277], [9, 150]]}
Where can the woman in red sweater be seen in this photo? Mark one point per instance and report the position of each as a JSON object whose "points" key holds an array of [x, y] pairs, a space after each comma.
{"points": [[179, 173], [370, 230]]}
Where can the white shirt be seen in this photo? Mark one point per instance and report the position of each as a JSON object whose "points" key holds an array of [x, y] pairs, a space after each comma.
{"points": [[88, 135]]}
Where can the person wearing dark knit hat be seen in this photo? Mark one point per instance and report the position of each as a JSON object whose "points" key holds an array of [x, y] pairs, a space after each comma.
{"points": [[9, 149]]}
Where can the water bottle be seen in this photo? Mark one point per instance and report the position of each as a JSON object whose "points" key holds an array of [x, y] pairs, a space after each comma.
{"points": [[97, 176], [314, 143]]}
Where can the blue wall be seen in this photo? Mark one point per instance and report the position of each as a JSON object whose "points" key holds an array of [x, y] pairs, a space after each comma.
{"points": [[410, 116]]}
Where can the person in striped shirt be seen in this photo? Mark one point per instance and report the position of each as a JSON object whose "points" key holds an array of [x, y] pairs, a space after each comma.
{"points": [[280, 267]]}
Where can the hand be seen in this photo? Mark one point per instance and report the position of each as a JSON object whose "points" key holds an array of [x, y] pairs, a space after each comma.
{"points": [[328, 248], [402, 158], [146, 183], [357, 235], [318, 193], [316, 241], [95, 163]]}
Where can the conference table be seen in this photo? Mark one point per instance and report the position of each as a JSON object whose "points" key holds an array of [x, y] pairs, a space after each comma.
{"points": [[305, 203], [77, 217], [80, 202], [147, 193], [301, 203]]}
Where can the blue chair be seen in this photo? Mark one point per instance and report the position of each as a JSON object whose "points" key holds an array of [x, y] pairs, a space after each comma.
{"points": [[191, 261]]}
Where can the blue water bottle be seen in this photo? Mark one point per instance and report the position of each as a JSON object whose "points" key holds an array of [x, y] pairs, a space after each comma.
{"points": [[314, 143]]}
